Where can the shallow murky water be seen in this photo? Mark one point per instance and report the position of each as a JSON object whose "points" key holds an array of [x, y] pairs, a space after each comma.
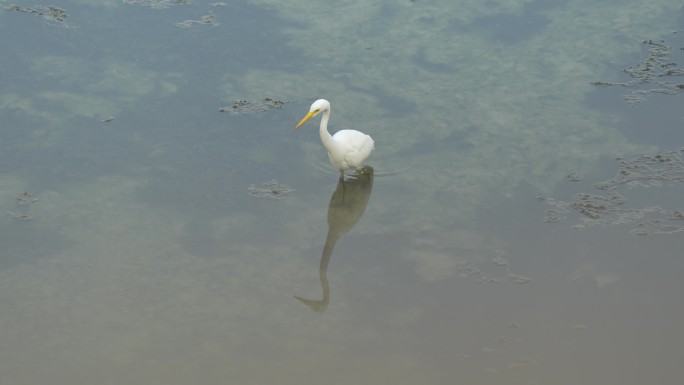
{"points": [[166, 225]]}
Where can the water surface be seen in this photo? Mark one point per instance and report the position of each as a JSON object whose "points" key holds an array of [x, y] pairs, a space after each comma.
{"points": [[146, 260]]}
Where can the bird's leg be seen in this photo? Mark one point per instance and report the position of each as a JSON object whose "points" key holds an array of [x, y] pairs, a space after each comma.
{"points": [[341, 181]]}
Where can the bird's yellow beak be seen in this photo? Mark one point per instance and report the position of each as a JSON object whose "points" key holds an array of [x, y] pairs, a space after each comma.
{"points": [[307, 117]]}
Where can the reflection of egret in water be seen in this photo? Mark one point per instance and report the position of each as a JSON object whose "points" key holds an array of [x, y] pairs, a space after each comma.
{"points": [[345, 209]]}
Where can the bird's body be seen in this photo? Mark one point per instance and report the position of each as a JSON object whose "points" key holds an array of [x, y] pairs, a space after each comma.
{"points": [[347, 149]]}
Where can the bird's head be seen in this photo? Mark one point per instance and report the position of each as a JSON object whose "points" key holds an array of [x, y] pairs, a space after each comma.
{"points": [[317, 107]]}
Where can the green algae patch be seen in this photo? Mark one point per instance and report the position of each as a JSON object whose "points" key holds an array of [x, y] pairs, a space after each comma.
{"points": [[49, 13], [658, 73], [610, 205]]}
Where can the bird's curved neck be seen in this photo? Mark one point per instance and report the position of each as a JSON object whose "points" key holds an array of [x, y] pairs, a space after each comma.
{"points": [[326, 138]]}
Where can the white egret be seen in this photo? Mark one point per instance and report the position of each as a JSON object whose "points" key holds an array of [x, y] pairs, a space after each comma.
{"points": [[347, 148]]}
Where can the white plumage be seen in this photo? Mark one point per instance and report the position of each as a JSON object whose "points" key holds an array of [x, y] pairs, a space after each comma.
{"points": [[347, 149]]}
